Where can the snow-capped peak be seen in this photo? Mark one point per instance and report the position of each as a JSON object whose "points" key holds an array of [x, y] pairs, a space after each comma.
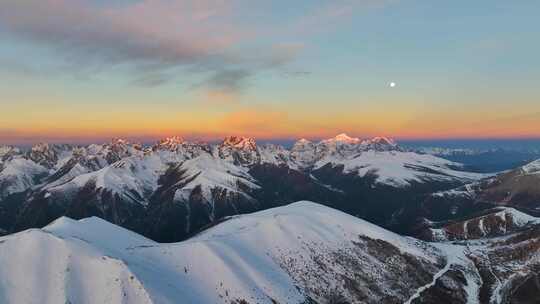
{"points": [[345, 139], [119, 141], [170, 143], [40, 147], [7, 151], [49, 154], [240, 142], [303, 141], [172, 140], [240, 150], [301, 144], [45, 148]]}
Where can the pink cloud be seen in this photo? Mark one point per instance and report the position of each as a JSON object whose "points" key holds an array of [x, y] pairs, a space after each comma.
{"points": [[152, 36], [156, 40]]}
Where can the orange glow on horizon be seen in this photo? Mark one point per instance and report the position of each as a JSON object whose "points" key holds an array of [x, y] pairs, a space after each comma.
{"points": [[264, 123]]}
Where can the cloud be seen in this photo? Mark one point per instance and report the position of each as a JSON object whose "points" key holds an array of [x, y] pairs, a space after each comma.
{"points": [[227, 80], [151, 79], [283, 53], [157, 41], [154, 40], [156, 31]]}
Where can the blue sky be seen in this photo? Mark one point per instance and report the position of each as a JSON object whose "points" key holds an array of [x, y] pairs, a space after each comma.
{"points": [[81, 69]]}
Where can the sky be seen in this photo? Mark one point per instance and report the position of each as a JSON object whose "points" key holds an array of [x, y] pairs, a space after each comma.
{"points": [[90, 70]]}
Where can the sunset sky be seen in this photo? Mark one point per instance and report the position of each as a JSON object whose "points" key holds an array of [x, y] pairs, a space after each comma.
{"points": [[86, 70]]}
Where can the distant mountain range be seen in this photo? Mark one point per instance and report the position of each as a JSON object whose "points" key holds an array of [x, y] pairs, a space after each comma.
{"points": [[174, 188]]}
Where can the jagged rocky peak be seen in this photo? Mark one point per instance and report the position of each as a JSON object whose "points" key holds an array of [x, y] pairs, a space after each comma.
{"points": [[7, 152], [302, 143], [119, 141], [274, 154], [169, 143], [240, 142], [302, 146], [181, 149], [303, 153], [380, 143], [8, 149], [126, 143], [240, 150], [114, 151], [117, 145], [48, 154]]}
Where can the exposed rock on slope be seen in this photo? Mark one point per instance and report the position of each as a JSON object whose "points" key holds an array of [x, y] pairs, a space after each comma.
{"points": [[504, 246], [302, 253], [518, 188], [490, 223]]}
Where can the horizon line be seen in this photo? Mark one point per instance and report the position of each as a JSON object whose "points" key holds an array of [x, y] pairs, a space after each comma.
{"points": [[145, 140]]}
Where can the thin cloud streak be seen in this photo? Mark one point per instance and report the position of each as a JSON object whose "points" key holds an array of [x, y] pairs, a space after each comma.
{"points": [[155, 40]]}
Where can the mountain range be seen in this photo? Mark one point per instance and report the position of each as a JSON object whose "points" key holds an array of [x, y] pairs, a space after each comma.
{"points": [[342, 220], [172, 189]]}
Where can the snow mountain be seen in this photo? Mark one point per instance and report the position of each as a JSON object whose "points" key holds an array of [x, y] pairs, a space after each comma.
{"points": [[300, 253], [518, 188], [174, 188]]}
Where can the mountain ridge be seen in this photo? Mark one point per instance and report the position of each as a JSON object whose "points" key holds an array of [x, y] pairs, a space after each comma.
{"points": [[173, 188], [300, 253]]}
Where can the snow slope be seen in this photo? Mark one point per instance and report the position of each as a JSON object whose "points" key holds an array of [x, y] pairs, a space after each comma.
{"points": [[135, 175], [532, 168], [397, 168], [266, 257], [209, 173], [300, 253], [19, 174]]}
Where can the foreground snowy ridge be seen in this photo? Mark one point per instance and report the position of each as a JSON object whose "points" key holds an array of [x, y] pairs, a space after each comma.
{"points": [[267, 257], [300, 253]]}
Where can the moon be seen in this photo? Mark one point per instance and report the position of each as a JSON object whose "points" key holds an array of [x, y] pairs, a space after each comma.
{"points": [[392, 84]]}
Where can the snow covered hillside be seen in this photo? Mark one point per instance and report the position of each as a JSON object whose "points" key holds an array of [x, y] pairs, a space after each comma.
{"points": [[19, 174], [496, 222], [518, 188], [295, 254], [301, 253], [400, 169]]}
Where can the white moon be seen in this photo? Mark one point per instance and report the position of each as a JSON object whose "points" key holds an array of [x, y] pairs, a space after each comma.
{"points": [[392, 84]]}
